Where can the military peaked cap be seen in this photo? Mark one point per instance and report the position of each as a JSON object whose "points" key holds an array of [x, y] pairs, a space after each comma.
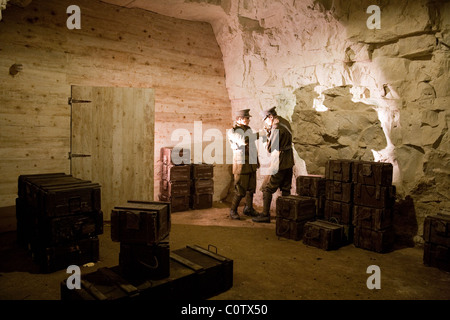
{"points": [[245, 113], [268, 112]]}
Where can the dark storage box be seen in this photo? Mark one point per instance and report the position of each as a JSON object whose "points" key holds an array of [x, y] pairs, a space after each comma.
{"points": [[339, 191], [56, 209], [295, 207], [25, 181], [177, 203], [323, 234], [67, 229], [175, 188], [436, 229], [202, 186], [145, 222], [58, 194], [379, 241], [372, 173], [215, 272], [435, 255], [372, 218], [202, 171], [339, 170], [64, 200], [340, 212], [32, 186], [319, 204], [201, 201], [195, 273], [54, 258], [171, 172], [289, 229], [374, 196], [311, 185]]}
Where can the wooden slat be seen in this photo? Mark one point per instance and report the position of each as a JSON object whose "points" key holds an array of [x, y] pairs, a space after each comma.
{"points": [[116, 47], [116, 130]]}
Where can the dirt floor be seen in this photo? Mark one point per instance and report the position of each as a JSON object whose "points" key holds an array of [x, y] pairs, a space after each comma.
{"points": [[266, 267]]}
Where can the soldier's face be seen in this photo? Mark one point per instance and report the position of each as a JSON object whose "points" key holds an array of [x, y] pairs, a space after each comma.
{"points": [[244, 121], [268, 121]]}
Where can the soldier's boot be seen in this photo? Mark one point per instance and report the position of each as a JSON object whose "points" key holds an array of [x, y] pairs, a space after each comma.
{"points": [[285, 193], [264, 217], [234, 205], [248, 209]]}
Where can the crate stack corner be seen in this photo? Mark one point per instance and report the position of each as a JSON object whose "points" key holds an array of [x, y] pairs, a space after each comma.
{"points": [[59, 219], [175, 183]]}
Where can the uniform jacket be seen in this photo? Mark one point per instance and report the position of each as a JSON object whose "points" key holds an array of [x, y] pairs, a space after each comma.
{"points": [[280, 139], [243, 143]]}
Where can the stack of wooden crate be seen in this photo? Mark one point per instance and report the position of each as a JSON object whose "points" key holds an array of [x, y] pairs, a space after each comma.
{"points": [[329, 230], [175, 184], [142, 228], [313, 187], [334, 229], [374, 198], [436, 233], [339, 195], [202, 186], [59, 219], [292, 213]]}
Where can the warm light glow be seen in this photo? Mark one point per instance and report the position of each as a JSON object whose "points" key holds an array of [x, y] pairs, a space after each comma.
{"points": [[388, 116], [318, 105], [318, 102]]}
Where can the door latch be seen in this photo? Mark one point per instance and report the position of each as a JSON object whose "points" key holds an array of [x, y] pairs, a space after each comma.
{"points": [[70, 101], [78, 155]]}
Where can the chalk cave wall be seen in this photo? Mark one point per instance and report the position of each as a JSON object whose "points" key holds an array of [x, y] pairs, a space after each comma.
{"points": [[350, 91]]}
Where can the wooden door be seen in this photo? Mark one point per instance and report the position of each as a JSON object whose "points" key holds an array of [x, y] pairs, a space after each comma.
{"points": [[112, 142]]}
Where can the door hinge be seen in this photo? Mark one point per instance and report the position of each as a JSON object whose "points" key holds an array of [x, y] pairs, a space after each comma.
{"points": [[71, 101], [78, 155]]}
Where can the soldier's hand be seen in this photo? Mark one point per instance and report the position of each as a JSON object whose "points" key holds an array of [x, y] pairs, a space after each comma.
{"points": [[262, 133]]}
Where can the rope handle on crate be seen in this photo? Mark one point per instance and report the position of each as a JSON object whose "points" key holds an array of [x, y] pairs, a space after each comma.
{"points": [[149, 266], [313, 234], [334, 220], [284, 232], [210, 245]]}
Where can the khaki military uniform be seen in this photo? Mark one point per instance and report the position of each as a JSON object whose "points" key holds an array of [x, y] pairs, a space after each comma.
{"points": [[279, 145], [280, 140], [245, 158]]}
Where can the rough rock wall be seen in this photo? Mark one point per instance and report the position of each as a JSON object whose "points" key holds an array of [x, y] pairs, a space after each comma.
{"points": [[350, 90], [359, 93]]}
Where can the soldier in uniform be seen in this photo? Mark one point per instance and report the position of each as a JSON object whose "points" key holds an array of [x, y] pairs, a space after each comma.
{"points": [[245, 163], [279, 145]]}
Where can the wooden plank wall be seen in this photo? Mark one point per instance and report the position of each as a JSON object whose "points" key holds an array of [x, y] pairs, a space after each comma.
{"points": [[117, 47], [117, 130]]}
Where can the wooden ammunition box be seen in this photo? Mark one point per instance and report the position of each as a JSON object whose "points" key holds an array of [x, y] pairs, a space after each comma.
{"points": [[323, 234], [295, 208], [145, 222]]}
